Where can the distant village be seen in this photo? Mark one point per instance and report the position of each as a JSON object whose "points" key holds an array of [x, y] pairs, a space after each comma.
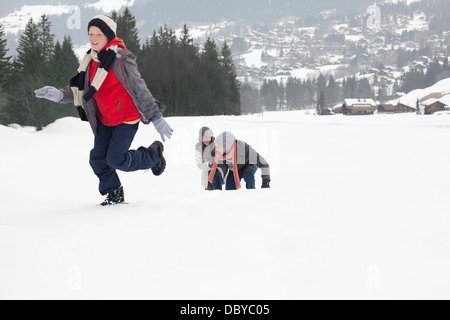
{"points": [[383, 55]]}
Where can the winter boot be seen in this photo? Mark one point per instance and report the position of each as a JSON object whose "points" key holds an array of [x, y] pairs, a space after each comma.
{"points": [[113, 197], [160, 166]]}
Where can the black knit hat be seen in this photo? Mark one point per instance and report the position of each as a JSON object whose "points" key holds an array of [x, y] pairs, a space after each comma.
{"points": [[106, 24]]}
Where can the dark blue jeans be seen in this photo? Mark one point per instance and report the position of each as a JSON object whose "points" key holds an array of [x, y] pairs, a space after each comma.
{"points": [[111, 152], [218, 181], [249, 178]]}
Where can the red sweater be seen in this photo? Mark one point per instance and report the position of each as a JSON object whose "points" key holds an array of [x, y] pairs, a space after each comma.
{"points": [[114, 103]]}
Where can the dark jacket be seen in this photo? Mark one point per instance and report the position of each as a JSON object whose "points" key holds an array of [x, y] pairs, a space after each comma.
{"points": [[248, 160], [126, 71]]}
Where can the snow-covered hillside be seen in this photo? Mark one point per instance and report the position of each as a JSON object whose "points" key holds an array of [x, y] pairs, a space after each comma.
{"points": [[16, 21], [358, 209], [408, 2], [439, 91]]}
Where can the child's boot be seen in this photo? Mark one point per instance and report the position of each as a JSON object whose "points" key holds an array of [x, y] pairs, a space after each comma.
{"points": [[160, 165], [113, 197]]}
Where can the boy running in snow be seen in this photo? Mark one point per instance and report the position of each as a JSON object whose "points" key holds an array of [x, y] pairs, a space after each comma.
{"points": [[109, 92], [242, 161]]}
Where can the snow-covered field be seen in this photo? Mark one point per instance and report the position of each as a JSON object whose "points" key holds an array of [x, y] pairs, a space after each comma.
{"points": [[359, 209]]}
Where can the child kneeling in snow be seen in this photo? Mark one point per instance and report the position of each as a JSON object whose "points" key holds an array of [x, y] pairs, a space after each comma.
{"points": [[242, 161], [205, 153], [109, 92]]}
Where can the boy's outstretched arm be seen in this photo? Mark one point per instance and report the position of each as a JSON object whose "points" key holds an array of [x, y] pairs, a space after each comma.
{"points": [[49, 93]]}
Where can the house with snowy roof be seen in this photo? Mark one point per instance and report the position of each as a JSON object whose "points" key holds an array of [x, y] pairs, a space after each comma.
{"points": [[406, 107], [432, 106], [359, 107], [398, 108]]}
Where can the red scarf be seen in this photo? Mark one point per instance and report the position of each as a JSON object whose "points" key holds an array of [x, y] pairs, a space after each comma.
{"points": [[116, 41], [230, 155]]}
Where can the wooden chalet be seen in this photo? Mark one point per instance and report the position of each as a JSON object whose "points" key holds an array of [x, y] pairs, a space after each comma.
{"points": [[387, 108], [433, 105], [399, 108], [359, 107]]}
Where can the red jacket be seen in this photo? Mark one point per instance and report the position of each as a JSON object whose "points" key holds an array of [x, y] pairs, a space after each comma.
{"points": [[115, 105]]}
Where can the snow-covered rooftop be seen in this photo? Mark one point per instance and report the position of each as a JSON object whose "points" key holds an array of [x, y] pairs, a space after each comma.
{"points": [[360, 102]]}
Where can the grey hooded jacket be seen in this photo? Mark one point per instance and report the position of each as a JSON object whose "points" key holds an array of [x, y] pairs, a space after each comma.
{"points": [[126, 71]]}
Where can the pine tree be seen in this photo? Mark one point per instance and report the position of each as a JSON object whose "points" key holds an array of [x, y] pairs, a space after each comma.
{"points": [[215, 91], [432, 75], [321, 84], [29, 51], [418, 112], [128, 31], [144, 60], [318, 110], [281, 95], [382, 94], [46, 40], [396, 88], [4, 71], [4, 118], [64, 63], [332, 91], [309, 92], [64, 66], [264, 55], [188, 61], [114, 16], [157, 67], [230, 70], [4, 59], [322, 104], [269, 94], [25, 74], [249, 100], [294, 93], [32, 69], [365, 89], [350, 88]]}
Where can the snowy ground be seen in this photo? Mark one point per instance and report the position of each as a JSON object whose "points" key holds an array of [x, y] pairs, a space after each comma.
{"points": [[359, 208]]}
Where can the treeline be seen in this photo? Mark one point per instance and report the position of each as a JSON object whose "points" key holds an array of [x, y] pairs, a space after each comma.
{"points": [[188, 79], [39, 62], [420, 79], [422, 75], [304, 94]]}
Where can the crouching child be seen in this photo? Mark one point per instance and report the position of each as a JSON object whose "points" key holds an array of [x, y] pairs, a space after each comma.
{"points": [[205, 154], [242, 162]]}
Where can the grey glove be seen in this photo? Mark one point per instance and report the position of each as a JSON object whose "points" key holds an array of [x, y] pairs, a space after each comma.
{"points": [[163, 128], [49, 93]]}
